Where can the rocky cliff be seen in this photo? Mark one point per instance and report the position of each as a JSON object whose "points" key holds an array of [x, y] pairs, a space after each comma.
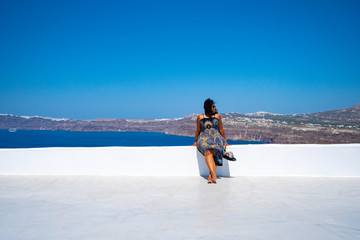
{"points": [[338, 126]]}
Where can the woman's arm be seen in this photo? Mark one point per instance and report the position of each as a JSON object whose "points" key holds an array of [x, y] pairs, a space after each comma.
{"points": [[221, 129], [198, 129]]}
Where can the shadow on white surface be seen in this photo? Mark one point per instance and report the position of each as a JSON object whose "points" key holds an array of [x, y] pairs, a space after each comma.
{"points": [[223, 171]]}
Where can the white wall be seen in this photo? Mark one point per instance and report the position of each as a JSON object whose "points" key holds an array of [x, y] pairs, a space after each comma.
{"points": [[253, 160]]}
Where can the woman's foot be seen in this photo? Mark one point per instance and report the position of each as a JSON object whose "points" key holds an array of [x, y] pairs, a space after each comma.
{"points": [[209, 179], [213, 178]]}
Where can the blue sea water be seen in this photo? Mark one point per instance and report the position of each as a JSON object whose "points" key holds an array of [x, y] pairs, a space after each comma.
{"points": [[45, 138]]}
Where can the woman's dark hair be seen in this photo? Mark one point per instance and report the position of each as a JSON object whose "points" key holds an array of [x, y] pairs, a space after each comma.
{"points": [[208, 107]]}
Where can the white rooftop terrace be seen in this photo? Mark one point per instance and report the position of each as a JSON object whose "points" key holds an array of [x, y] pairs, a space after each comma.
{"points": [[271, 192]]}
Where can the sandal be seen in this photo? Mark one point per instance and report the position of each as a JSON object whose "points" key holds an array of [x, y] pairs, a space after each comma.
{"points": [[229, 156], [218, 158]]}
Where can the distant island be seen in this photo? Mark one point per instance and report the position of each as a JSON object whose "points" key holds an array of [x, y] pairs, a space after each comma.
{"points": [[338, 126]]}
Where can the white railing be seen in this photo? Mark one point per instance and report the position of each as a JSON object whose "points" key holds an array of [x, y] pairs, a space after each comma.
{"points": [[253, 160]]}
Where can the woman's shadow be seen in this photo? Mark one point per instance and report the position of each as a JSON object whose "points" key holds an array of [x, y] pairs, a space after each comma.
{"points": [[223, 171]]}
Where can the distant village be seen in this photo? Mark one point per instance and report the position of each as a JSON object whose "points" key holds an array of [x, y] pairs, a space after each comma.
{"points": [[338, 126]]}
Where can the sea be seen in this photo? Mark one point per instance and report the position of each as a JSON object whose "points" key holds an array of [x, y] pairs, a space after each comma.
{"points": [[48, 138]]}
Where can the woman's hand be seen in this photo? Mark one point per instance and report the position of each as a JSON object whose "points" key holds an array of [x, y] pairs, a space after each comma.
{"points": [[227, 144], [193, 144]]}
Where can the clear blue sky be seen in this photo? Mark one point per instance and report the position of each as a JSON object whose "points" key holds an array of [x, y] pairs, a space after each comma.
{"points": [[162, 59]]}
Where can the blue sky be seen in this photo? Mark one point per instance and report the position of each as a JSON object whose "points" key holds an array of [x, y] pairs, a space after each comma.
{"points": [[162, 59]]}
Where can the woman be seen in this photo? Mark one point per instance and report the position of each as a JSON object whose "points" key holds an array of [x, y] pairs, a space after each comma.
{"points": [[210, 138]]}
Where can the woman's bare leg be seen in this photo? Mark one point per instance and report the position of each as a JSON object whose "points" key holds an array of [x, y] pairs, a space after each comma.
{"points": [[213, 162], [209, 159], [214, 178]]}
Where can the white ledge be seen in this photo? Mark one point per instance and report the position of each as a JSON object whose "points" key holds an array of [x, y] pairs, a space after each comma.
{"points": [[338, 160]]}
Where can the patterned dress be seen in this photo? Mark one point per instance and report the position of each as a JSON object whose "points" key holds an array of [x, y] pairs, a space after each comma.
{"points": [[210, 138]]}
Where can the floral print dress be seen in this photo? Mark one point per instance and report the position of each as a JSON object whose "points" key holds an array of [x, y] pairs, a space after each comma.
{"points": [[210, 137]]}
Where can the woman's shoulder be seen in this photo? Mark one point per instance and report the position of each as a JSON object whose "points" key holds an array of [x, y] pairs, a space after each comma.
{"points": [[201, 116], [217, 116]]}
